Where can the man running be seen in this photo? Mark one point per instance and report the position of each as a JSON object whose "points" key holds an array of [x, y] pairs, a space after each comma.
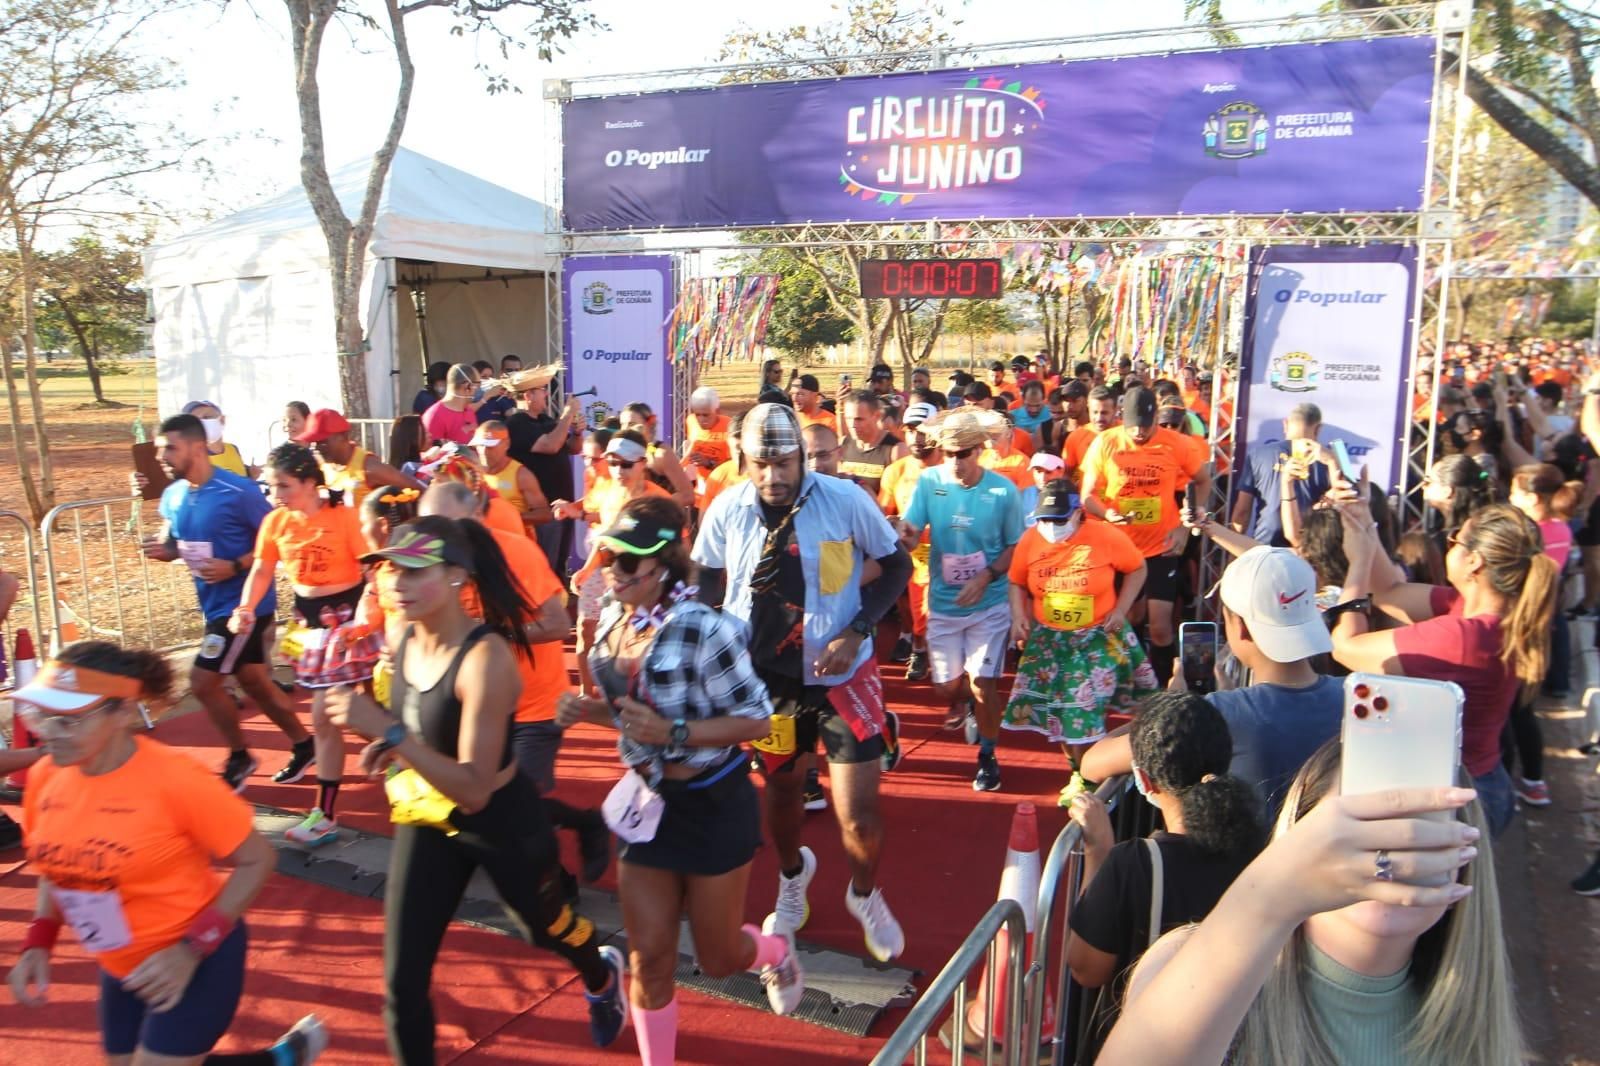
{"points": [[210, 519], [784, 553], [807, 394], [1103, 413], [894, 496], [346, 466], [705, 443], [867, 448], [974, 518], [1131, 476]]}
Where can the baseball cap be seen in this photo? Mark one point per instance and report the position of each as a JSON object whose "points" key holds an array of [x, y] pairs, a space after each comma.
{"points": [[808, 382], [61, 686], [881, 373], [1139, 407], [770, 431], [632, 535], [1056, 500], [918, 413], [412, 549], [1019, 362], [961, 379], [322, 424], [1046, 461], [194, 405], [488, 438], [1274, 592]]}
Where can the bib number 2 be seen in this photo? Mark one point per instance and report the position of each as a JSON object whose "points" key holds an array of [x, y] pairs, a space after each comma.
{"points": [[96, 917]]}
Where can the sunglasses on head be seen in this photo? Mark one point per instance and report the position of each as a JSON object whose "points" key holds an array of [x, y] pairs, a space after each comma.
{"points": [[962, 454]]}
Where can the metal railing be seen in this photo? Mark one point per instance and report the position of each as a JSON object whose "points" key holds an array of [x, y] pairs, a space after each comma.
{"points": [[28, 574], [373, 434], [950, 987]]}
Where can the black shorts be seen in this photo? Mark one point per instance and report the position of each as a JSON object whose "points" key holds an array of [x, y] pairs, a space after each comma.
{"points": [[710, 824], [1161, 578], [815, 719], [1589, 533], [222, 652]]}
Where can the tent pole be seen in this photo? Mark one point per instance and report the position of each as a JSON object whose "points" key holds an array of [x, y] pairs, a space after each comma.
{"points": [[419, 301]]}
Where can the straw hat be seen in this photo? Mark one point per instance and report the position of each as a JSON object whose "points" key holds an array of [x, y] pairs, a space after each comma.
{"points": [[533, 377]]}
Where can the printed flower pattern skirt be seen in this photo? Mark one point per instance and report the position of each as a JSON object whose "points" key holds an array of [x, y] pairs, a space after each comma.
{"points": [[1069, 678]]}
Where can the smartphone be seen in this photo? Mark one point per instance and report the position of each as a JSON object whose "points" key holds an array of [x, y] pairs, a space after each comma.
{"points": [[844, 381], [1400, 732], [1347, 466], [1303, 449], [146, 463], [1197, 651]]}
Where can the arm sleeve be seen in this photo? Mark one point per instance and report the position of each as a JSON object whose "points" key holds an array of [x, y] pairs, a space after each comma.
{"points": [[878, 598]]}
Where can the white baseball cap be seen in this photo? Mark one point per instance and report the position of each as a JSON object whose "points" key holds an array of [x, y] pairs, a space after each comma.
{"points": [[1274, 592], [1046, 461]]}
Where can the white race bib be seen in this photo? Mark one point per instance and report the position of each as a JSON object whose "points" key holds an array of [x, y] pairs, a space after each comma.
{"points": [[633, 809], [96, 917], [193, 553], [957, 570]]}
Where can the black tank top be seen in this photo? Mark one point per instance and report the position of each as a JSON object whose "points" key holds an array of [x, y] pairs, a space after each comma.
{"points": [[434, 714], [865, 465]]}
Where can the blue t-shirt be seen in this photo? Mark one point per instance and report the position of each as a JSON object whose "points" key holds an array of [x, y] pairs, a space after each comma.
{"points": [[1023, 420], [1259, 477], [218, 520], [1276, 729], [963, 522]]}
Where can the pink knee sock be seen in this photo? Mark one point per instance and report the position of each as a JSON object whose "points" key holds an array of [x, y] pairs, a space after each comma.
{"points": [[770, 949], [657, 1033]]}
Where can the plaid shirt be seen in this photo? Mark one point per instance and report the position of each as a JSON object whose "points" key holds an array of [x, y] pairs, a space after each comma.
{"points": [[695, 667]]}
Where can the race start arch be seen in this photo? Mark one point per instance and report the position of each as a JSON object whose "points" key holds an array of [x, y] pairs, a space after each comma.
{"points": [[1315, 158]]}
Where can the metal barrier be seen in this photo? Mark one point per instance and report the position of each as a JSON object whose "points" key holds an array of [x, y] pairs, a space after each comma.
{"points": [[30, 587], [950, 986], [372, 434]]}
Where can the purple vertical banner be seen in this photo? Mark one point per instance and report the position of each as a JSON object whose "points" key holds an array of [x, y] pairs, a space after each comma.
{"points": [[1331, 327], [1335, 126], [614, 313]]}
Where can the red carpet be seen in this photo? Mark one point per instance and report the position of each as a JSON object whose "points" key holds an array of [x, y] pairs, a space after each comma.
{"points": [[940, 870]]}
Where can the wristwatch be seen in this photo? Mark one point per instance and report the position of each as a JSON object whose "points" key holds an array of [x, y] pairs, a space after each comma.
{"points": [[678, 739], [392, 737], [1360, 603], [862, 628]]}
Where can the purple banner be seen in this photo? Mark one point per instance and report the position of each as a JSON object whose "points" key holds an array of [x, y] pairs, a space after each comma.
{"points": [[1339, 126]]}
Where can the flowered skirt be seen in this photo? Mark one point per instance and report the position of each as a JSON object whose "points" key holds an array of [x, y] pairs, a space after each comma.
{"points": [[1069, 678]]}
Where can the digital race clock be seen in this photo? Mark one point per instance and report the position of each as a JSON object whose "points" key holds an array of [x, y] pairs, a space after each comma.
{"points": [[934, 279]]}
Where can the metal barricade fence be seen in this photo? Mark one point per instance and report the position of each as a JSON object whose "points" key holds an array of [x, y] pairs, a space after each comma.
{"points": [[372, 434], [950, 987], [17, 559]]}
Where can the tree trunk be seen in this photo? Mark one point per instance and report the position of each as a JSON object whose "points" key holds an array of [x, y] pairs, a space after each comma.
{"points": [[27, 271], [19, 444], [90, 353]]}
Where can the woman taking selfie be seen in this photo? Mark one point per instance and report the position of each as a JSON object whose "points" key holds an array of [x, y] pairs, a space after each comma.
{"points": [[677, 684], [1323, 953], [460, 803], [125, 834]]}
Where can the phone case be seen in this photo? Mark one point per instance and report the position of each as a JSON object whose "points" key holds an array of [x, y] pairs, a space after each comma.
{"points": [[1206, 634], [1400, 732]]}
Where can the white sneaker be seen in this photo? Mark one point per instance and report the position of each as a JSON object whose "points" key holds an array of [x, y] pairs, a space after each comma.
{"points": [[317, 829], [786, 982], [307, 1040], [885, 940], [792, 909]]}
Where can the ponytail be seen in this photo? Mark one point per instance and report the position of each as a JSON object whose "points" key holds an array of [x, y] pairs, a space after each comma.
{"points": [[1519, 570], [1471, 489], [501, 597], [1558, 496], [1182, 742], [1222, 816]]}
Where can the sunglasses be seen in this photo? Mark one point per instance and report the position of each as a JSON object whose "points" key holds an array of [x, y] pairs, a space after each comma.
{"points": [[626, 562], [964, 453], [621, 464]]}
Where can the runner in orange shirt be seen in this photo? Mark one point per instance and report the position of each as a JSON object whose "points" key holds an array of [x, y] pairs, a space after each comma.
{"points": [[730, 473], [1103, 414], [705, 444], [894, 496], [1002, 456], [1131, 477], [125, 835]]}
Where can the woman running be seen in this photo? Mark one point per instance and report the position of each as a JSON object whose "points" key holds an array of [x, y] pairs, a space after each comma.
{"points": [[458, 800], [1080, 657], [320, 544], [125, 834], [700, 821]]}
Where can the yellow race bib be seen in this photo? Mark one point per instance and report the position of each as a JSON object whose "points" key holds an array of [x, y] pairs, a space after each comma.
{"points": [[781, 738], [1068, 610], [1141, 510]]}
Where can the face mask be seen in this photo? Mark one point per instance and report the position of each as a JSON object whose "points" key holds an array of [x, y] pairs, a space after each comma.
{"points": [[1056, 532], [438, 388], [213, 429], [1138, 783]]}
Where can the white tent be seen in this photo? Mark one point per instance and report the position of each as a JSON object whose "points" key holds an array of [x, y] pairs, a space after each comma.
{"points": [[244, 307]]}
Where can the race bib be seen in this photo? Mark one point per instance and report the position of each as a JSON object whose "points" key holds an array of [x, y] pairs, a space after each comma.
{"points": [[1141, 510], [96, 917], [780, 740], [959, 569], [633, 809], [1068, 610], [193, 553]]}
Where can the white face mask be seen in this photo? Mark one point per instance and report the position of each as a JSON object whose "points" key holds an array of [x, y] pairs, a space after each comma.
{"points": [[1138, 783], [213, 429], [1057, 532]]}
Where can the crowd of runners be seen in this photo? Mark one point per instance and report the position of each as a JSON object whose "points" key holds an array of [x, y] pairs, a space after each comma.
{"points": [[736, 602]]}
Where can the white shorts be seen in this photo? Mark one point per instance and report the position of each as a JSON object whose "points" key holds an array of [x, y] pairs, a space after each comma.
{"points": [[971, 644], [589, 593]]}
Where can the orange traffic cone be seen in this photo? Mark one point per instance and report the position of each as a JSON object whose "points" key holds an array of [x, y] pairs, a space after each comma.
{"points": [[26, 663], [985, 1022]]}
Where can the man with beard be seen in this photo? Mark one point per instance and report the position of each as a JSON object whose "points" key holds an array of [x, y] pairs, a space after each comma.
{"points": [[545, 444]]}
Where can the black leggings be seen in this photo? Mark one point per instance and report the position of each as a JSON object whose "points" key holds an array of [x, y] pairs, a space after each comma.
{"points": [[1523, 738], [428, 874]]}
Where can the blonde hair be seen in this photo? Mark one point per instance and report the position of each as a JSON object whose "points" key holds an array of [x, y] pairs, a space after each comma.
{"points": [[1466, 1013], [1518, 569]]}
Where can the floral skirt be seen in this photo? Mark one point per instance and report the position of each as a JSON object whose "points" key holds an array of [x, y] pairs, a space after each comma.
{"points": [[1069, 679]]}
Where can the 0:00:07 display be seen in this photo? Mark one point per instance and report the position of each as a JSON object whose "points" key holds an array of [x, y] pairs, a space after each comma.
{"points": [[960, 279]]}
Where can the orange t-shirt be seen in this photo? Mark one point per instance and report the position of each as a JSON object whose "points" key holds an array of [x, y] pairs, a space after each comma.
{"points": [[319, 549], [823, 417], [501, 517], [707, 447], [1022, 441], [1073, 584], [1141, 481], [609, 496], [544, 677], [899, 484], [725, 476], [1077, 446], [1013, 467], [135, 848]]}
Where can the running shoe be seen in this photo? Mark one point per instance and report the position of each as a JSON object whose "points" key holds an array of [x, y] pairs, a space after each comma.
{"points": [[815, 799], [902, 649], [785, 982], [317, 829], [607, 1015], [891, 741], [302, 1044], [1588, 882], [793, 910], [302, 757], [1072, 790], [594, 847], [987, 779], [885, 940], [1533, 793], [237, 770], [917, 666]]}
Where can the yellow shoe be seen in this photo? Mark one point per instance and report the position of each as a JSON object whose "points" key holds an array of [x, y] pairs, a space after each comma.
{"points": [[1072, 790]]}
